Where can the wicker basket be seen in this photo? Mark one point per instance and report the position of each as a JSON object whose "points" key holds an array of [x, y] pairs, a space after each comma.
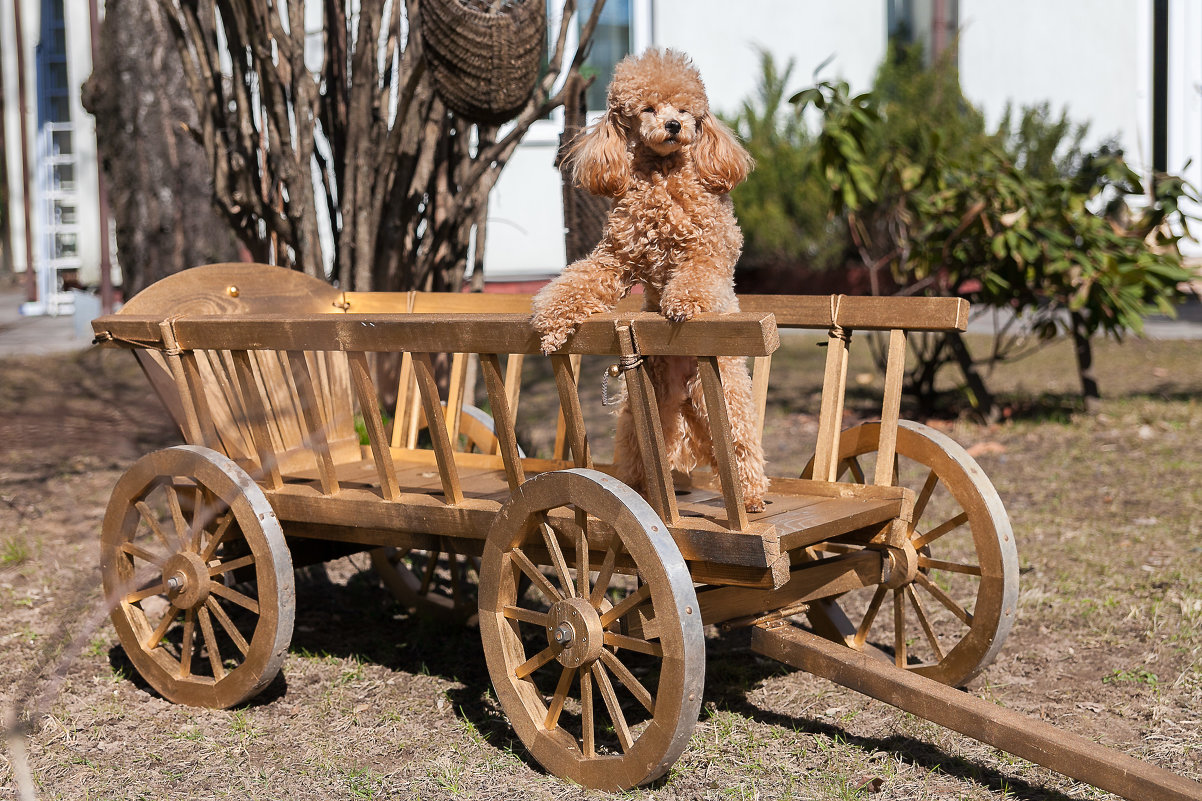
{"points": [[484, 57]]}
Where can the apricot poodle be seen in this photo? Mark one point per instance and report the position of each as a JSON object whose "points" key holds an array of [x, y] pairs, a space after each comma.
{"points": [[669, 164]]}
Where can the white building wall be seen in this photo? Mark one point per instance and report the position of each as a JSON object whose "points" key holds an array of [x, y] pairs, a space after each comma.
{"points": [[1092, 57]]}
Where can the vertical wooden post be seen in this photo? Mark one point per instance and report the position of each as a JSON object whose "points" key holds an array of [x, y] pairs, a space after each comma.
{"points": [[834, 388], [571, 416], [661, 493], [724, 449], [502, 417], [895, 368]]}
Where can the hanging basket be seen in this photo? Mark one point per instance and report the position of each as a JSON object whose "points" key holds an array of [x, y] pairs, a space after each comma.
{"points": [[484, 55]]}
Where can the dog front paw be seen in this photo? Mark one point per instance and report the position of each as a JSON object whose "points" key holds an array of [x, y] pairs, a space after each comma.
{"points": [[679, 308], [754, 505]]}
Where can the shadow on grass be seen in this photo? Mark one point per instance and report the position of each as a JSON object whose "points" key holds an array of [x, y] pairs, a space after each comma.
{"points": [[734, 670], [359, 621]]}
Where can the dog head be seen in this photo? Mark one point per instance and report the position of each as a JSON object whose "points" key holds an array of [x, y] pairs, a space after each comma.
{"points": [[657, 103]]}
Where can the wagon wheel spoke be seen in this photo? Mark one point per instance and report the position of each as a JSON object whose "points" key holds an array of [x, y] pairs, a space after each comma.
{"points": [[157, 588], [924, 496], [229, 593], [943, 598], [899, 627], [187, 644], [227, 624], [940, 530], [557, 558], [607, 569], [621, 727], [925, 622], [227, 567], [873, 607], [218, 536], [160, 631], [428, 575], [536, 576], [177, 517], [155, 559], [582, 565], [641, 693], [559, 698], [210, 639], [152, 522], [951, 567]]}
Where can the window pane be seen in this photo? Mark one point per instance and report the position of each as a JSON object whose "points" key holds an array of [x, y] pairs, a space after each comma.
{"points": [[611, 42]]}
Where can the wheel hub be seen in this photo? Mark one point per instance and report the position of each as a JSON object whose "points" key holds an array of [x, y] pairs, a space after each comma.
{"points": [[575, 626], [186, 577]]}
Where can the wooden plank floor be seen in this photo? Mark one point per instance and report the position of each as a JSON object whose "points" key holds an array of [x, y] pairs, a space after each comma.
{"points": [[799, 519]]}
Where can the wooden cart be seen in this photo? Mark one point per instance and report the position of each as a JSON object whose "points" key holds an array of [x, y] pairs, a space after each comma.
{"points": [[592, 599]]}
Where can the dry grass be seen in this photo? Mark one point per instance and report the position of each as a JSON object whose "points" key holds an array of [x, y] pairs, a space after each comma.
{"points": [[373, 703]]}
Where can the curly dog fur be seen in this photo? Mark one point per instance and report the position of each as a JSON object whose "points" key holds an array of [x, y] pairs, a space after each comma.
{"points": [[669, 164]]}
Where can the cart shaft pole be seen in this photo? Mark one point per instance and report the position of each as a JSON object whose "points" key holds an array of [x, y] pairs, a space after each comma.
{"points": [[1023, 736]]}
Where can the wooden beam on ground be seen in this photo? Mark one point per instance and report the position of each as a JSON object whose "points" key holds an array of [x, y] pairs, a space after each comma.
{"points": [[1013, 732]]}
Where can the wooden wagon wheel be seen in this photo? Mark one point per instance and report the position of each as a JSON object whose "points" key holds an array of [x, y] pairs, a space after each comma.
{"points": [[439, 582], [950, 621], [600, 668], [199, 575]]}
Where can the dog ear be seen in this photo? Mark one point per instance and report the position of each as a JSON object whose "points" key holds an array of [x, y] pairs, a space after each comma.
{"points": [[721, 161], [600, 160]]}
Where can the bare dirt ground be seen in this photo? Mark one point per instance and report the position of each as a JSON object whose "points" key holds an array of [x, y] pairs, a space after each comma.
{"points": [[375, 703]]}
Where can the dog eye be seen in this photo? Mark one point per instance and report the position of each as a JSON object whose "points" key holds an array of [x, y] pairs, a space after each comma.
{"points": [[649, 110]]}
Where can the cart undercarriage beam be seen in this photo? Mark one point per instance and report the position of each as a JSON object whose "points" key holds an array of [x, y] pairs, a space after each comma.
{"points": [[1015, 733]]}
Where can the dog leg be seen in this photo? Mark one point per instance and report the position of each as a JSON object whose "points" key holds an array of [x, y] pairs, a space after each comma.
{"points": [[700, 285], [586, 287]]}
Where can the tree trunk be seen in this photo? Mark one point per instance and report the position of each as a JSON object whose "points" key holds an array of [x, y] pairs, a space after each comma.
{"points": [[1083, 350], [979, 395], [158, 185]]}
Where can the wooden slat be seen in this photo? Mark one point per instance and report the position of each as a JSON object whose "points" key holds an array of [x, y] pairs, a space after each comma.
{"points": [[225, 404], [862, 313], [513, 381], [761, 366], [455, 395], [154, 367], [720, 436], [571, 431], [256, 413], [369, 406], [502, 420], [314, 422], [640, 393], [830, 417], [200, 400], [895, 368], [428, 389], [737, 334], [830, 518]]}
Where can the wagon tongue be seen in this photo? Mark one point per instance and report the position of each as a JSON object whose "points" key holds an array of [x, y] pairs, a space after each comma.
{"points": [[1002, 728]]}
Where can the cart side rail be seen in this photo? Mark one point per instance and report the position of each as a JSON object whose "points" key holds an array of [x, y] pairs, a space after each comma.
{"points": [[272, 371]]}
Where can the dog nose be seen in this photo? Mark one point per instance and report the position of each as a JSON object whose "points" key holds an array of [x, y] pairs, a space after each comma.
{"points": [[672, 126]]}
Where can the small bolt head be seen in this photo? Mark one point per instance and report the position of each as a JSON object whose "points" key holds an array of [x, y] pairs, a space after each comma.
{"points": [[232, 291], [614, 371]]}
